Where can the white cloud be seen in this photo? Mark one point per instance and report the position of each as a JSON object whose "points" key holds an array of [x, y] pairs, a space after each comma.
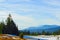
{"points": [[25, 0], [52, 2], [19, 0], [25, 21], [3, 15], [57, 15], [2, 0], [37, 15], [21, 21], [51, 22]]}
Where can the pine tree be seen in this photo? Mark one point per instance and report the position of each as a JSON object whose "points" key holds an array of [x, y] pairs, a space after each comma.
{"points": [[10, 27], [43, 32], [1, 27]]}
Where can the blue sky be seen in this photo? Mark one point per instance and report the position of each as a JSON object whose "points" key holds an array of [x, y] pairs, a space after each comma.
{"points": [[31, 13]]}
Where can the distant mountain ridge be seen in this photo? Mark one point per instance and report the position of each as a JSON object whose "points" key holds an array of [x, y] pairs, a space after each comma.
{"points": [[47, 28]]}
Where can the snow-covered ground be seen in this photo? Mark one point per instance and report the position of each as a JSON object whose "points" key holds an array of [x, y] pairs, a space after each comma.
{"points": [[43, 37]]}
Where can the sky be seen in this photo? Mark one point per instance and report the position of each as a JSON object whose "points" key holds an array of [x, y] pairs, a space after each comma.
{"points": [[31, 13]]}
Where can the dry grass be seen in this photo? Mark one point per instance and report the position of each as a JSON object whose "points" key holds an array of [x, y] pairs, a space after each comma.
{"points": [[7, 37]]}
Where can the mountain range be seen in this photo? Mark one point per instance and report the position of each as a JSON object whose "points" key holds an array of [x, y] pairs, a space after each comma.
{"points": [[46, 28]]}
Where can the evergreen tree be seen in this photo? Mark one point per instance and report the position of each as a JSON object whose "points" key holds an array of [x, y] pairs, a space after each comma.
{"points": [[43, 32], [10, 27], [1, 27]]}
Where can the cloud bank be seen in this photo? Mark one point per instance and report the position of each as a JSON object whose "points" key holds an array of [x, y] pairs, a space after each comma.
{"points": [[31, 13]]}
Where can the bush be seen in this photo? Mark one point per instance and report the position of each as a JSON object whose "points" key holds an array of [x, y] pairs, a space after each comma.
{"points": [[21, 35]]}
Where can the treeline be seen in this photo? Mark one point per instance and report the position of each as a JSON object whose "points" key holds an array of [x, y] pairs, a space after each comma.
{"points": [[8, 27], [40, 33]]}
